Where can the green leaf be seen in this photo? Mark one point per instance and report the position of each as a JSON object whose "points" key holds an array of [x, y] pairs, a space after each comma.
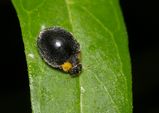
{"points": [[105, 83]]}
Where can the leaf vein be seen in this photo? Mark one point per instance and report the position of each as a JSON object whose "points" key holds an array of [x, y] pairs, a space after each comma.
{"points": [[112, 37], [105, 88]]}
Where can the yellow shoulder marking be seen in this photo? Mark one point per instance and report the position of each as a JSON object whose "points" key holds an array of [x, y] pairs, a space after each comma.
{"points": [[66, 66]]}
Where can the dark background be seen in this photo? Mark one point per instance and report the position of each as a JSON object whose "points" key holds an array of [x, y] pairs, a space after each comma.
{"points": [[141, 19]]}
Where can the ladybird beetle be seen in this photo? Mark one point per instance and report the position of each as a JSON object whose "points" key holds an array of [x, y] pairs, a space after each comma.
{"points": [[60, 50]]}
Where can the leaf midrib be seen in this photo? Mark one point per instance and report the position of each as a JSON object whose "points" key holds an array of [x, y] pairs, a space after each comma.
{"points": [[70, 20]]}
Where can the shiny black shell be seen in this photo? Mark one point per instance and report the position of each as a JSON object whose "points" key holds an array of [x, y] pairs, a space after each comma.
{"points": [[57, 46]]}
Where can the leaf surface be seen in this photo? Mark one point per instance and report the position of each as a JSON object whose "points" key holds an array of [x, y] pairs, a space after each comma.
{"points": [[104, 85]]}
